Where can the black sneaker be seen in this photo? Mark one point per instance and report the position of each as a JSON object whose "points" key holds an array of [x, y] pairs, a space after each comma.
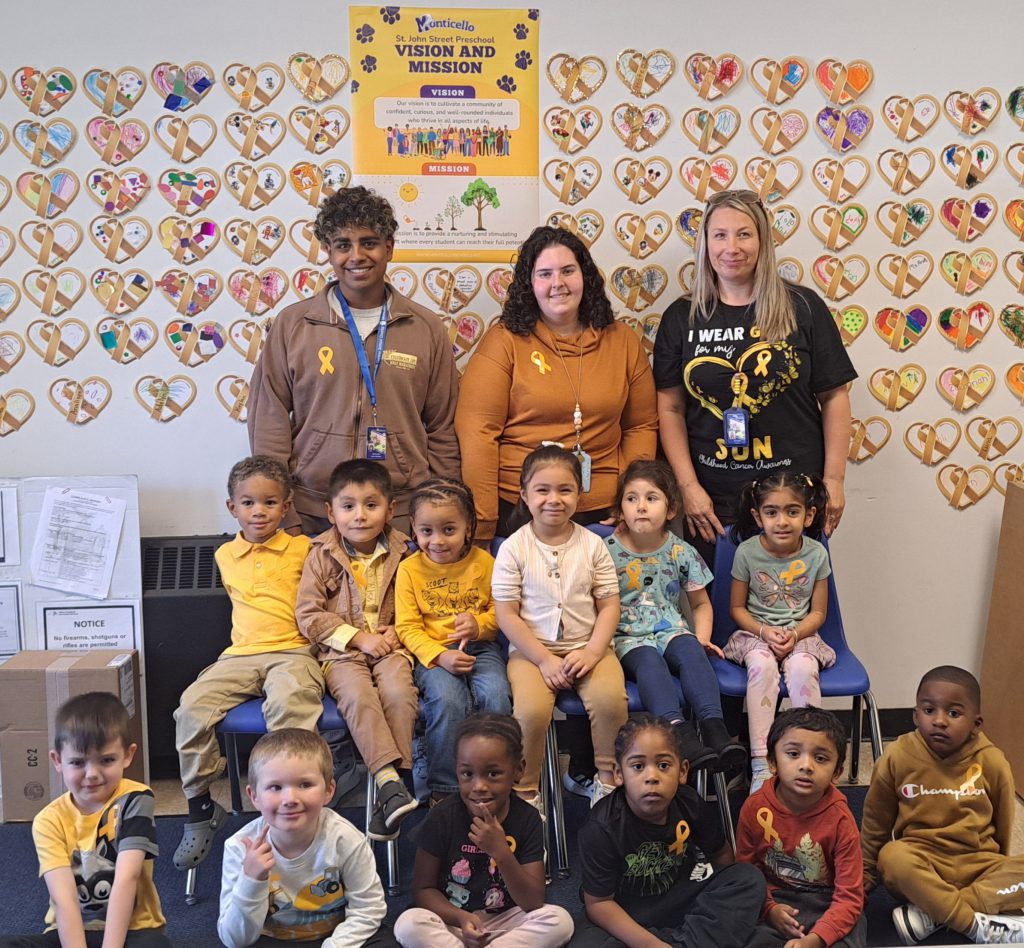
{"points": [[394, 803], [578, 783], [731, 754], [699, 756]]}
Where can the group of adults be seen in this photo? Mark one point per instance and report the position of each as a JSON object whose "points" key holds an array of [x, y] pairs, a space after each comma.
{"points": [[750, 376]]}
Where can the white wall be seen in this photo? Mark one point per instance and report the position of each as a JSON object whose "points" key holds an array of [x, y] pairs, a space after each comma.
{"points": [[912, 571]]}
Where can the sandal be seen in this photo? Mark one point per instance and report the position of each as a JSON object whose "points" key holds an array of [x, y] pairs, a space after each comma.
{"points": [[197, 838]]}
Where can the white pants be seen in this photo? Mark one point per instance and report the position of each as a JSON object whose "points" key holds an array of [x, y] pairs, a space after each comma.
{"points": [[547, 927]]}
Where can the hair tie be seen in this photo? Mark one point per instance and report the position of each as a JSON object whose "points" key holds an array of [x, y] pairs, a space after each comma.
{"points": [[808, 481]]}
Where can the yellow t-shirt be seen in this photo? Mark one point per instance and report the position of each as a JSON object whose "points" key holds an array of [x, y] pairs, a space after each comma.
{"points": [[368, 574], [88, 844], [262, 580]]}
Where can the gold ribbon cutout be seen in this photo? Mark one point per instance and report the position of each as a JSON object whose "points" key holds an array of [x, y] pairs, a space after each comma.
{"points": [[251, 126], [247, 89], [124, 343], [839, 73], [965, 391], [682, 835], [634, 281], [633, 571], [48, 247], [10, 422], [570, 72], [311, 243], [450, 293], [162, 401], [255, 294], [248, 178], [960, 493], [932, 448], [252, 333], [57, 351], [838, 281], [909, 122], [634, 119], [842, 133], [107, 85], [41, 187], [771, 123], [9, 355], [861, 446], [326, 355], [775, 74], [967, 334], [904, 180], [766, 820], [891, 384], [967, 273], [41, 95], [704, 179], [639, 184], [1015, 262], [537, 358], [177, 79], [568, 173], [54, 302], [709, 67], [711, 138], [902, 226], [123, 295], [115, 145], [963, 156], [990, 446], [183, 146], [765, 170], [973, 773], [44, 150], [639, 65], [239, 390], [839, 235], [78, 406]]}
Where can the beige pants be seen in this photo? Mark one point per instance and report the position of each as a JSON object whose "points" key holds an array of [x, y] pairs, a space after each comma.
{"points": [[547, 927], [603, 693], [293, 690]]}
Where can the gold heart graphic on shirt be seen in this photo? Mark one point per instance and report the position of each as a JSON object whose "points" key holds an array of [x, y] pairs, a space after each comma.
{"points": [[768, 369]]}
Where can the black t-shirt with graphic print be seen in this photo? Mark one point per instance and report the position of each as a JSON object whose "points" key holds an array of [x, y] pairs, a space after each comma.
{"points": [[782, 383], [630, 860]]}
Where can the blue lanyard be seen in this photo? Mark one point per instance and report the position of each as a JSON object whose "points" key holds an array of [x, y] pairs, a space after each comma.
{"points": [[369, 378]]}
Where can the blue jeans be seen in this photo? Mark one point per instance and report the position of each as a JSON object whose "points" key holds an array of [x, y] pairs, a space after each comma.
{"points": [[652, 671], [445, 699]]}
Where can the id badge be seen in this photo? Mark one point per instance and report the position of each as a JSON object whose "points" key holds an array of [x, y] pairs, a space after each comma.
{"points": [[737, 427], [376, 443], [585, 465]]}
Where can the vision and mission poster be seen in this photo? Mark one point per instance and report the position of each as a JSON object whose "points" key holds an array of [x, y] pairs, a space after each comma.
{"points": [[445, 125]]}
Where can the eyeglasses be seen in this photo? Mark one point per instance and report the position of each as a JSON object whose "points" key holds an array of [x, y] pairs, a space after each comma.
{"points": [[743, 195]]}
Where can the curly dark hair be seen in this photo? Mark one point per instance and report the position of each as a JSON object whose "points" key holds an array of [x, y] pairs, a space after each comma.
{"points": [[637, 723], [656, 472], [810, 719], [259, 465], [500, 727], [521, 312], [355, 207], [446, 490]]}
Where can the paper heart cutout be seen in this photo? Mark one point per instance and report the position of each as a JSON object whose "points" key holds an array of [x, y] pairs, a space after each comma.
{"points": [[1013, 267], [43, 93], [839, 179], [403, 279], [639, 287], [44, 144], [642, 235], [120, 292], [258, 293], [1006, 474], [120, 239], [838, 227], [117, 192], [843, 83], [587, 225], [1015, 105], [571, 181], [10, 296], [645, 73], [901, 329], [1015, 380], [248, 335], [781, 79], [967, 273], [968, 218], [182, 86], [452, 290], [464, 331], [785, 219], [232, 392], [7, 243], [905, 171], [188, 192], [317, 79], [254, 136], [965, 328], [773, 179], [497, 283], [790, 269], [314, 182], [966, 388], [302, 236], [642, 179], [114, 93], [868, 437], [253, 87], [12, 348], [47, 195], [1014, 158], [964, 486], [993, 438], [685, 275], [639, 128], [839, 277], [319, 130], [190, 293], [185, 139], [194, 342], [688, 224], [53, 292], [254, 241], [1011, 322], [903, 223], [971, 113], [1013, 214], [572, 130], [57, 343], [80, 402], [165, 400], [576, 79], [650, 325], [16, 407], [254, 187], [5, 192], [932, 443], [905, 275], [777, 132], [897, 388], [850, 321], [50, 244], [307, 282], [713, 76], [910, 118], [116, 142], [188, 240], [126, 340], [841, 130], [706, 176], [968, 165], [711, 130]]}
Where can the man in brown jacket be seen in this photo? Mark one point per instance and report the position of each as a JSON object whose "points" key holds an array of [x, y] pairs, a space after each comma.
{"points": [[356, 371]]}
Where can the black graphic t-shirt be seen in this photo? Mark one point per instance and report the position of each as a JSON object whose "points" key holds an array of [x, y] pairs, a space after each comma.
{"points": [[468, 877], [722, 364], [630, 860]]}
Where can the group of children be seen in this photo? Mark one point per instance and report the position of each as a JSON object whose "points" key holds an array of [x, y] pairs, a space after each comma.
{"points": [[393, 633]]}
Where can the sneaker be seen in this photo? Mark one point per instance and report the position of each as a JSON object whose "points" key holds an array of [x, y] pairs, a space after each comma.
{"points": [[394, 803], [997, 929], [537, 802], [912, 924], [731, 754], [578, 783], [759, 774], [599, 791], [697, 755]]}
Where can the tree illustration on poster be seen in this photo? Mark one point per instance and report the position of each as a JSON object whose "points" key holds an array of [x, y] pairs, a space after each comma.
{"points": [[479, 194], [454, 208]]}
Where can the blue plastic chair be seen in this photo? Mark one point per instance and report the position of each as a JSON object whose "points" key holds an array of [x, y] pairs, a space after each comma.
{"points": [[847, 678]]}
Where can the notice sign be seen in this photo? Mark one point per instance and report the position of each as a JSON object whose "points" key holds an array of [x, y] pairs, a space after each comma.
{"points": [[445, 126], [80, 626]]}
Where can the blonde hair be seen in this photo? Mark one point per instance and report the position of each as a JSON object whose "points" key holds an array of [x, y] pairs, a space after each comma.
{"points": [[773, 308], [291, 742]]}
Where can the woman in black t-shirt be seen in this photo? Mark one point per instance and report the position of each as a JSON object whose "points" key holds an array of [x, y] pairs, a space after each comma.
{"points": [[751, 374]]}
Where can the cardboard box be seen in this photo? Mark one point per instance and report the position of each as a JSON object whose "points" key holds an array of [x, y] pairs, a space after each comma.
{"points": [[33, 684]]}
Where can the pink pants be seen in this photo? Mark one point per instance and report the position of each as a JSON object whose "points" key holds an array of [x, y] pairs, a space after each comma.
{"points": [[547, 927]]}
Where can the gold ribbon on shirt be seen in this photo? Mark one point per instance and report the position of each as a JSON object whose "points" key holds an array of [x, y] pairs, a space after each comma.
{"points": [[766, 820]]}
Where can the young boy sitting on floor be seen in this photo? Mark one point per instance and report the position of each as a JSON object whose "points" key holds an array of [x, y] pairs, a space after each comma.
{"points": [[938, 819]]}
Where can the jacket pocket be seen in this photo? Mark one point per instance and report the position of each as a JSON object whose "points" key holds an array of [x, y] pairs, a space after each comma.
{"points": [[316, 454]]}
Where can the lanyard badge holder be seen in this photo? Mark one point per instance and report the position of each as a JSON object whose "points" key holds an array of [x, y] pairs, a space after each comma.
{"points": [[376, 435], [736, 420]]}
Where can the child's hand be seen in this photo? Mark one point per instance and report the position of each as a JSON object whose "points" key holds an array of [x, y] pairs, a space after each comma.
{"points": [[553, 673], [473, 936], [390, 636], [259, 857], [456, 662], [780, 641], [579, 663], [808, 941], [710, 646], [486, 832], [372, 644], [467, 629], [783, 919]]}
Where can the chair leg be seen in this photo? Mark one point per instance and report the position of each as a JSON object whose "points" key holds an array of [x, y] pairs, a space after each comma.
{"points": [[191, 884], [874, 724], [555, 803], [856, 736], [231, 749], [394, 871], [722, 792]]}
